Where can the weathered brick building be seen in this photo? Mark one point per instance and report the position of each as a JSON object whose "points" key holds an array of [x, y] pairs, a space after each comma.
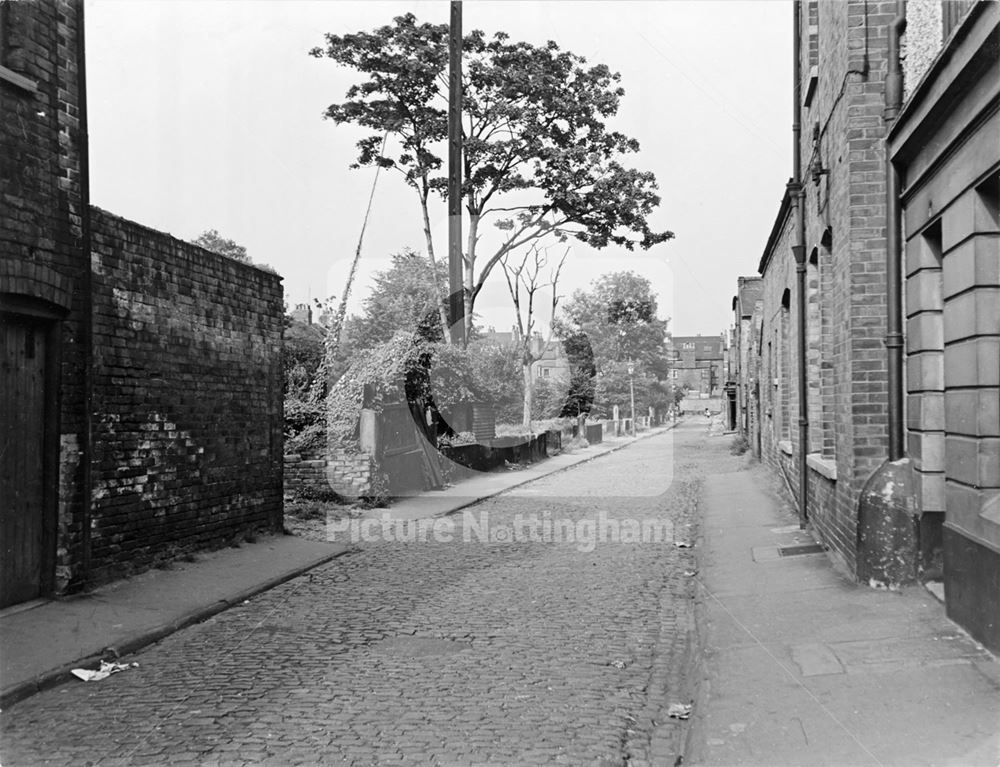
{"points": [[697, 363], [747, 305], [140, 376], [826, 364]]}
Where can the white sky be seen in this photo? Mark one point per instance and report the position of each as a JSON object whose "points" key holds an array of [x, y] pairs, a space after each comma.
{"points": [[207, 114]]}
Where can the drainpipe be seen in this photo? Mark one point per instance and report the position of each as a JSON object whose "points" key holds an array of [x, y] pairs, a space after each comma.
{"points": [[894, 245], [796, 193], [86, 448]]}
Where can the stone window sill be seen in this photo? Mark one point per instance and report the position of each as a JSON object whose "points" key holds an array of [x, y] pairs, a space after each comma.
{"points": [[12, 77], [825, 466], [785, 446]]}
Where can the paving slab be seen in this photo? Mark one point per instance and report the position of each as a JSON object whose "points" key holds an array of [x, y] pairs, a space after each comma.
{"points": [[801, 666]]}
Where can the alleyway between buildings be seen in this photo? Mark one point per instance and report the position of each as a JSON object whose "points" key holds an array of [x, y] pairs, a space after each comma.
{"points": [[516, 651], [423, 653]]}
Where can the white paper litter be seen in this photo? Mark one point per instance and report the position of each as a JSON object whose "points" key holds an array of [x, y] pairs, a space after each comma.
{"points": [[106, 670], [679, 710]]}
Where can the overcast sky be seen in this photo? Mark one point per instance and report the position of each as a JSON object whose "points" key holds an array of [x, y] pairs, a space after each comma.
{"points": [[207, 114]]}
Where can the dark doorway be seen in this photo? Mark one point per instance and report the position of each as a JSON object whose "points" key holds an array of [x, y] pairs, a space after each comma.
{"points": [[27, 365]]}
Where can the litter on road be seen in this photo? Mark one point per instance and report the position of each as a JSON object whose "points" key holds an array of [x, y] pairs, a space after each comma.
{"points": [[106, 670], [679, 710]]}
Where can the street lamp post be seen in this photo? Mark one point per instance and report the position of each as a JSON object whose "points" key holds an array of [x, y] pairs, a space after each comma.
{"points": [[631, 394]]}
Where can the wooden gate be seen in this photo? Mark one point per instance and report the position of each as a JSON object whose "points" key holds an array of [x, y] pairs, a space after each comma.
{"points": [[401, 455], [406, 454], [24, 353]]}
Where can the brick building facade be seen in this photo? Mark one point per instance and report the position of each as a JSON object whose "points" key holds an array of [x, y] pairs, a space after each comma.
{"points": [[141, 406], [697, 363], [747, 304], [827, 293]]}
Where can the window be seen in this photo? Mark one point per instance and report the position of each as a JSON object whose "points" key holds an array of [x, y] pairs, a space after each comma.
{"points": [[812, 51]]}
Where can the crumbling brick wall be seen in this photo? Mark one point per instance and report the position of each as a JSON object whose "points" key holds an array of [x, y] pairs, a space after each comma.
{"points": [[349, 474], [187, 397]]}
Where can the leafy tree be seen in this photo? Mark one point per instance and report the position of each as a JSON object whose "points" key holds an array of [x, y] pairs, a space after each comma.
{"points": [[302, 357], [580, 397], [211, 240], [547, 398], [403, 297], [618, 318], [497, 369], [538, 159]]}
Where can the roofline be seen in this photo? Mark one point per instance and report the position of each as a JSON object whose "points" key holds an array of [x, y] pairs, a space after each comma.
{"points": [[779, 224]]}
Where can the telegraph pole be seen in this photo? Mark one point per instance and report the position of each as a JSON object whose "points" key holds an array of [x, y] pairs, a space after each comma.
{"points": [[456, 270]]}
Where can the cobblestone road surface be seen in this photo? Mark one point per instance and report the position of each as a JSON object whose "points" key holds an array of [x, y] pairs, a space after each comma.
{"points": [[451, 653]]}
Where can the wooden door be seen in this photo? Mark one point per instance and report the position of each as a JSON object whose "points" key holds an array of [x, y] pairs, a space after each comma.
{"points": [[22, 433]]}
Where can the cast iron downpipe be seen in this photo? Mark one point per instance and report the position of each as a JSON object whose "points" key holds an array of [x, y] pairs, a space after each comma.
{"points": [[87, 332], [894, 245], [796, 193]]}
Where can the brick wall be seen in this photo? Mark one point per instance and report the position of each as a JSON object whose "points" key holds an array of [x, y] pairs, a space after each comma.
{"points": [[843, 156], [187, 396], [41, 254], [347, 473]]}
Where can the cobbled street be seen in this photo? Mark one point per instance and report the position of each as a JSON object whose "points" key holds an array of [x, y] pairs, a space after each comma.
{"points": [[461, 652]]}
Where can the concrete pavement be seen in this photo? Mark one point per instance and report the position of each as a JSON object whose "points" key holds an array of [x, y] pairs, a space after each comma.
{"points": [[803, 667]]}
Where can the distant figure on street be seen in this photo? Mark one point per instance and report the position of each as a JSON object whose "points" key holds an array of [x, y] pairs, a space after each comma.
{"points": [[708, 413]]}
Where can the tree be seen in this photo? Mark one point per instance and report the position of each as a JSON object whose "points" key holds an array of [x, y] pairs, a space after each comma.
{"points": [[607, 327], [524, 283], [403, 297], [618, 318], [580, 397], [211, 240], [538, 159], [497, 369], [302, 358]]}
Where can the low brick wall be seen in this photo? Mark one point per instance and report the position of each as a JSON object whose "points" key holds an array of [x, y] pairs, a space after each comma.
{"points": [[347, 473], [304, 477]]}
